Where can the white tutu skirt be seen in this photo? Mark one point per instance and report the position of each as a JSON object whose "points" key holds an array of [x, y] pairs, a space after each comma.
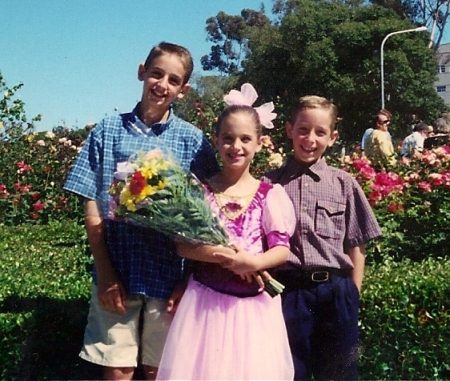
{"points": [[215, 336]]}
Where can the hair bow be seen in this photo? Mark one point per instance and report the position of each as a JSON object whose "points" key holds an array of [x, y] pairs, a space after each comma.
{"points": [[247, 96]]}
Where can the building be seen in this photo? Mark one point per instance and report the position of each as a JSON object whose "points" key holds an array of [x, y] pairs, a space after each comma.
{"points": [[442, 84]]}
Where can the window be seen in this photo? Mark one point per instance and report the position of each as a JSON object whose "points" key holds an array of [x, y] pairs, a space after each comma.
{"points": [[441, 89], [441, 69]]}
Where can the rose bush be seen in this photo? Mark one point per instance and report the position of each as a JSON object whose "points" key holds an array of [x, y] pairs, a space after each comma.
{"points": [[411, 202]]}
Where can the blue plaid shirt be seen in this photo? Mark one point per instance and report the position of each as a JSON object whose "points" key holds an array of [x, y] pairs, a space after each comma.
{"points": [[146, 260]]}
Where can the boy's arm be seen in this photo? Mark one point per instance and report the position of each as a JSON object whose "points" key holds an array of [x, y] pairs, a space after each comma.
{"points": [[358, 256], [110, 291]]}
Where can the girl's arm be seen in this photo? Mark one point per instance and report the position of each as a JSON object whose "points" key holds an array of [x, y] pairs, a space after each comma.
{"points": [[243, 262], [202, 253]]}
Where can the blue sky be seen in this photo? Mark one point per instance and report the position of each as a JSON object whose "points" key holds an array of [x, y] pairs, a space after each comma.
{"points": [[78, 59]]}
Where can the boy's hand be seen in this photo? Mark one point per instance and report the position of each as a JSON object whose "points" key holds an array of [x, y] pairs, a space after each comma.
{"points": [[111, 295], [175, 298]]}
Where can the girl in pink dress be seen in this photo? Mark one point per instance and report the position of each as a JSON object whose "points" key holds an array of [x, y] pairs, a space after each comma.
{"points": [[226, 327]]}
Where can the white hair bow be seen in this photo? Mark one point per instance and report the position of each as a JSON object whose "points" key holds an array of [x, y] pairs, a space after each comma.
{"points": [[247, 96]]}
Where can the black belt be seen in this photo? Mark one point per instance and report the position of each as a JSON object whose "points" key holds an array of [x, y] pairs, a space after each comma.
{"points": [[299, 278]]}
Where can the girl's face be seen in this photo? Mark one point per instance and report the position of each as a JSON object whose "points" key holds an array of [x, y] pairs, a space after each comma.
{"points": [[237, 141]]}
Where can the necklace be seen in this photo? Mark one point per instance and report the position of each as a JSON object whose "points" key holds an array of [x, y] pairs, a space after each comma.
{"points": [[233, 206]]}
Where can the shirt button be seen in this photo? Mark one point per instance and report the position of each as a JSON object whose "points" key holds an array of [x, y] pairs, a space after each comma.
{"points": [[305, 208], [305, 231]]}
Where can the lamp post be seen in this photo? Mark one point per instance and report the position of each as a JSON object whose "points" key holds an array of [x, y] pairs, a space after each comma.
{"points": [[419, 29]]}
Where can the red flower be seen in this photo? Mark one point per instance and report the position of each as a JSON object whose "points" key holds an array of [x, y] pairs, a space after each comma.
{"points": [[38, 206], [34, 216], [36, 196], [23, 168], [137, 183]]}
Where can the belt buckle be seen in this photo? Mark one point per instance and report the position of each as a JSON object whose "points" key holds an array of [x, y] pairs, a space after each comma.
{"points": [[320, 276]]}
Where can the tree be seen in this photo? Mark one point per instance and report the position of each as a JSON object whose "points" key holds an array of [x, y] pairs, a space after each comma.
{"points": [[230, 35], [13, 121], [432, 13], [331, 49]]}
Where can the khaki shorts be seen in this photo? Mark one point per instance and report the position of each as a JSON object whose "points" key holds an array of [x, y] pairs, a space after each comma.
{"points": [[113, 339]]}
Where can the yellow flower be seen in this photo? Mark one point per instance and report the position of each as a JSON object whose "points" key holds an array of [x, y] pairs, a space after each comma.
{"points": [[1, 124]]}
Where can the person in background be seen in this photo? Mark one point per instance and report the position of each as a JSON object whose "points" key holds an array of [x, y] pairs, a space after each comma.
{"points": [[136, 270], [414, 142], [324, 272], [441, 135], [378, 146]]}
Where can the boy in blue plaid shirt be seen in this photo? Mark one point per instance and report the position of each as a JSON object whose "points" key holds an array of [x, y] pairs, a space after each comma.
{"points": [[136, 270]]}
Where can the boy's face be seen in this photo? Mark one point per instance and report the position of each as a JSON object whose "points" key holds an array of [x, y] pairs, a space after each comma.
{"points": [[163, 82], [311, 134]]}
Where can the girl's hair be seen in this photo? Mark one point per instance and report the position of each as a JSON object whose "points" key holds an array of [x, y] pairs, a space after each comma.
{"points": [[167, 48], [312, 102], [235, 109]]}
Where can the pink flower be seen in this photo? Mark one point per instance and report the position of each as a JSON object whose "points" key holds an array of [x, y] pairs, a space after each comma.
{"points": [[267, 142], [38, 206], [40, 143], [360, 163], [23, 168], [436, 179], [367, 173], [425, 186]]}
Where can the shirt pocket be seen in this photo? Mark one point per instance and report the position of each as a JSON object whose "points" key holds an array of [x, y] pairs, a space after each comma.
{"points": [[330, 219]]}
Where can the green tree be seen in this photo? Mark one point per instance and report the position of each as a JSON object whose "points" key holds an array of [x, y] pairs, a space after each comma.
{"points": [[13, 120], [433, 13], [230, 35], [333, 50]]}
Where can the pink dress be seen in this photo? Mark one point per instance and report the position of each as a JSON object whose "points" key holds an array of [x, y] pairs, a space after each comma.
{"points": [[224, 328]]}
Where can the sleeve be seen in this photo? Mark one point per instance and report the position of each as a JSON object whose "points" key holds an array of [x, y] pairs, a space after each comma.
{"points": [[362, 225], [278, 217], [83, 177]]}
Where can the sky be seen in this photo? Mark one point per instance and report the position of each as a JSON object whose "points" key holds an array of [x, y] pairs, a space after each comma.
{"points": [[78, 59]]}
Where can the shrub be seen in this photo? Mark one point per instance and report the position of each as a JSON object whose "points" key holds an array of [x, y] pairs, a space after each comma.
{"points": [[411, 202], [44, 291], [405, 321]]}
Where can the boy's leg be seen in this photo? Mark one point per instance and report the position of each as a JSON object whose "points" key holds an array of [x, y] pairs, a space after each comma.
{"points": [[111, 339], [299, 313], [335, 343], [156, 323]]}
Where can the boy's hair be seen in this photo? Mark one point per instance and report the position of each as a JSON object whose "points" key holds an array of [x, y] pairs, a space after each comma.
{"points": [[234, 109], [168, 48], [314, 101]]}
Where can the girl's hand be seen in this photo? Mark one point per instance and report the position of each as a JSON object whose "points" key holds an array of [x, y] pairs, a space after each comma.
{"points": [[242, 263]]}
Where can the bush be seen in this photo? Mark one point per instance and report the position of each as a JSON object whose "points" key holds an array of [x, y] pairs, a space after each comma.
{"points": [[44, 292], [405, 321]]}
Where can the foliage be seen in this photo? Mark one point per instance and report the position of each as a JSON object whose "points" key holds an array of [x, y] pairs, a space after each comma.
{"points": [[404, 313], [411, 201], [405, 320], [33, 167], [13, 120], [230, 35], [44, 289], [433, 13], [330, 49]]}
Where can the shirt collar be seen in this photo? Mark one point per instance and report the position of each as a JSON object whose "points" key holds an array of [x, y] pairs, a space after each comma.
{"points": [[140, 127], [296, 169]]}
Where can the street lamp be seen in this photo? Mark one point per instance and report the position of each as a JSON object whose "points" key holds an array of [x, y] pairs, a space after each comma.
{"points": [[419, 29]]}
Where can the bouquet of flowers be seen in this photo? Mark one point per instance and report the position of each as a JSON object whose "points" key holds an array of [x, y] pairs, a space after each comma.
{"points": [[153, 190]]}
